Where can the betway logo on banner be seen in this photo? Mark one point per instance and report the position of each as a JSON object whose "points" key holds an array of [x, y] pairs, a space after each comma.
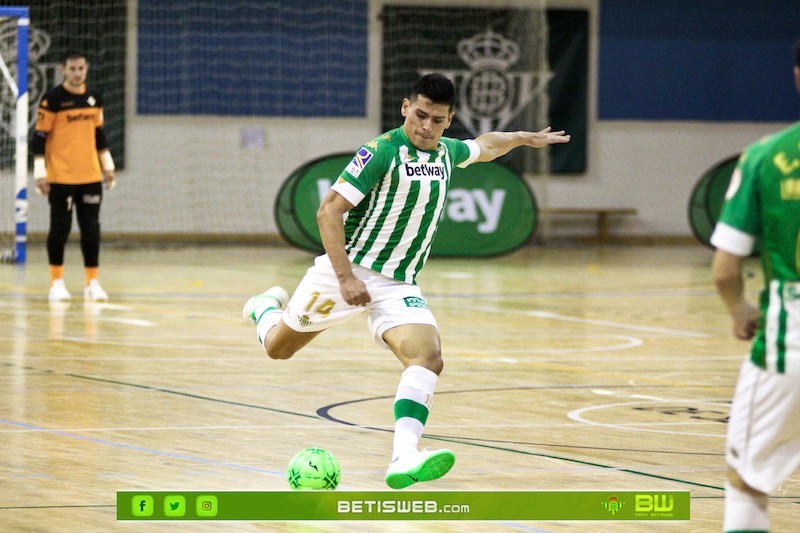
{"points": [[489, 209]]}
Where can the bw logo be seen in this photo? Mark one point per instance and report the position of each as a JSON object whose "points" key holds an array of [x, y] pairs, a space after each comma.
{"points": [[659, 503]]}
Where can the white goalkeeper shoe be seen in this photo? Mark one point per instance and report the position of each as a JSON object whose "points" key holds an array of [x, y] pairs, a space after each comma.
{"points": [[272, 298], [94, 292], [58, 292]]}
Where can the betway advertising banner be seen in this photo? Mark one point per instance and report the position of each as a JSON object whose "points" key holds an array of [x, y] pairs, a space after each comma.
{"points": [[490, 210]]}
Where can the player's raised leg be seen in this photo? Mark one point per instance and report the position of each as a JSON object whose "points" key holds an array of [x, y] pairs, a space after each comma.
{"points": [[273, 299], [265, 310]]}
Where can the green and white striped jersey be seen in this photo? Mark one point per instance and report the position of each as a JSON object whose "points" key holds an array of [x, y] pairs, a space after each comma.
{"points": [[399, 193], [763, 202]]}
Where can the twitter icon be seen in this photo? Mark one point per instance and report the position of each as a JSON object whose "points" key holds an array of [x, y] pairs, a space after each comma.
{"points": [[174, 506]]}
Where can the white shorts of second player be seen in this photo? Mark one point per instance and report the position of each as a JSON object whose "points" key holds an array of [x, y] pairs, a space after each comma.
{"points": [[317, 303], [763, 444]]}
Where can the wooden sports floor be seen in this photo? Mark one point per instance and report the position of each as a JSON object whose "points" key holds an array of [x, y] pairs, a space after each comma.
{"points": [[566, 368]]}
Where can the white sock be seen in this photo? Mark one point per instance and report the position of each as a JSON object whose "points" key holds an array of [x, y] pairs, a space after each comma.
{"points": [[267, 319], [745, 511], [412, 404]]}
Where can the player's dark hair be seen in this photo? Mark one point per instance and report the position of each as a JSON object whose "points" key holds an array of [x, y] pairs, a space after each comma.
{"points": [[72, 54], [436, 87]]}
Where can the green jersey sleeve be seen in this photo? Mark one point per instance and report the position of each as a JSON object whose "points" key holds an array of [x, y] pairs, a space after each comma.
{"points": [[741, 208], [461, 153], [367, 168]]}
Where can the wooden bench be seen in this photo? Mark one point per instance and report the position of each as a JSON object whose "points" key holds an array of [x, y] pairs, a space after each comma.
{"points": [[601, 213]]}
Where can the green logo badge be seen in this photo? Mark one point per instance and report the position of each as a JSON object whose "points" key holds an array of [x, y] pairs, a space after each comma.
{"points": [[174, 506], [142, 505], [613, 505], [207, 505], [415, 301]]}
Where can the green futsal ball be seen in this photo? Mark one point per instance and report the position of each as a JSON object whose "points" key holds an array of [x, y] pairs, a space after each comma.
{"points": [[313, 469]]}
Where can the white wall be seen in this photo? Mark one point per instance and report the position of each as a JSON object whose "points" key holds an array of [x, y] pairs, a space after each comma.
{"points": [[652, 166], [192, 175]]}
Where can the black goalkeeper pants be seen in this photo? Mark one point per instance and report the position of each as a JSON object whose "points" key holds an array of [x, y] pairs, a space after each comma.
{"points": [[86, 200]]}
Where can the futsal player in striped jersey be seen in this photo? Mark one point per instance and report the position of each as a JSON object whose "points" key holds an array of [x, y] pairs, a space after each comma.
{"points": [[392, 193], [763, 203]]}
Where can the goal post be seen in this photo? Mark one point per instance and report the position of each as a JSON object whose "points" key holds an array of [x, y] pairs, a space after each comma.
{"points": [[15, 91]]}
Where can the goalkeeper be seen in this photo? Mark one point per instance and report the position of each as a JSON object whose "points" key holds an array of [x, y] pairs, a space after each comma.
{"points": [[71, 162], [393, 193]]}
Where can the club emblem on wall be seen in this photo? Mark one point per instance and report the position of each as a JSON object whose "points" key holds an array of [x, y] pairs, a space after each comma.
{"points": [[491, 95]]}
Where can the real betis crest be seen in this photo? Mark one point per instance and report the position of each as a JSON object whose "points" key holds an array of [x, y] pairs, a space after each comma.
{"points": [[491, 95]]}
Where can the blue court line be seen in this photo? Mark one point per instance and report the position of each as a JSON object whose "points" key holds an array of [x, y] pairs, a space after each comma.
{"points": [[140, 449]]}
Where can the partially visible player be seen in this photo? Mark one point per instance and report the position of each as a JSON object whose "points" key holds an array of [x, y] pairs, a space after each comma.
{"points": [[393, 193], [763, 442], [71, 163]]}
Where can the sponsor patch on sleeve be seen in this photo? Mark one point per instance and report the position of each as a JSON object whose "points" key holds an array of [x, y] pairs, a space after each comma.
{"points": [[359, 162]]}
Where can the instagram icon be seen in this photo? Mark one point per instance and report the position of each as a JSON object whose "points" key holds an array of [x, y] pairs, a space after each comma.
{"points": [[206, 506]]}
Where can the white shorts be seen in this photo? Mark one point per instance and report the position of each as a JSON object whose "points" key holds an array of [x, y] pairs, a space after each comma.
{"points": [[317, 303], [763, 444]]}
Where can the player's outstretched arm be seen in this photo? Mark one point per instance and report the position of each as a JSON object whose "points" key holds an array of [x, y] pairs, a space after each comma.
{"points": [[498, 143]]}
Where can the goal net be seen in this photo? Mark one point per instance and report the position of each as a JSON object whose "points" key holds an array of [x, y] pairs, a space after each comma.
{"points": [[94, 27], [13, 133], [286, 83], [210, 106]]}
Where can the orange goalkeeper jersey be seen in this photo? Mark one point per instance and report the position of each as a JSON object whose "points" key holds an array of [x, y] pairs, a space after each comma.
{"points": [[70, 121]]}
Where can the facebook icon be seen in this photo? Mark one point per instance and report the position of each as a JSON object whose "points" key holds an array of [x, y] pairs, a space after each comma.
{"points": [[142, 505]]}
